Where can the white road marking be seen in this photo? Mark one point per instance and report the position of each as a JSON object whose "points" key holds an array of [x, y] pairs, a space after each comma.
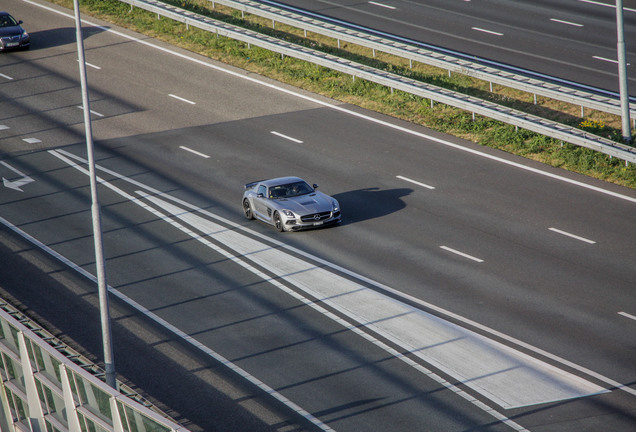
{"points": [[182, 99], [606, 5], [605, 59], [487, 31], [397, 294], [92, 112], [31, 140], [610, 382], [90, 65], [382, 5], [498, 372], [626, 315], [297, 141], [6, 76], [16, 184], [415, 182], [345, 110], [583, 239], [218, 357], [566, 22], [4, 127], [608, 60], [203, 155], [470, 257]]}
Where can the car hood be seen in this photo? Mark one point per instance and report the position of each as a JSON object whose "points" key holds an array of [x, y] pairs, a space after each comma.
{"points": [[10, 31], [314, 202]]}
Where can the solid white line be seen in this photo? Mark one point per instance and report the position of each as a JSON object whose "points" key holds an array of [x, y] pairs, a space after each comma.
{"points": [[92, 112], [210, 230], [415, 182], [182, 99], [232, 366], [31, 140], [566, 22], [487, 31], [583, 239], [4, 127], [195, 152], [470, 257], [382, 5], [385, 288], [297, 141], [626, 315], [5, 76]]}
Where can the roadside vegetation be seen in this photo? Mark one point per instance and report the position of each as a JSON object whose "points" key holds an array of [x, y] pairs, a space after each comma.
{"points": [[338, 86]]}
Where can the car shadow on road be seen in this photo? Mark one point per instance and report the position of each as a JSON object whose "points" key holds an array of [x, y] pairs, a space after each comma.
{"points": [[59, 36], [370, 203]]}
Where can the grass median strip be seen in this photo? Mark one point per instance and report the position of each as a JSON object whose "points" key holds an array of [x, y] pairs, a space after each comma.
{"points": [[338, 86]]}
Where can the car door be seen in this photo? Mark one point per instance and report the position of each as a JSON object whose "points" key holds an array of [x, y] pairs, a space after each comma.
{"points": [[260, 202]]}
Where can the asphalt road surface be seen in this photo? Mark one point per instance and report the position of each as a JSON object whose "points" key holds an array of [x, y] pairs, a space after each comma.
{"points": [[466, 289], [574, 40]]}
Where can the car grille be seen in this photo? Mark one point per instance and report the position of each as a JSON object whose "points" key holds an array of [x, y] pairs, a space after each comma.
{"points": [[316, 217]]}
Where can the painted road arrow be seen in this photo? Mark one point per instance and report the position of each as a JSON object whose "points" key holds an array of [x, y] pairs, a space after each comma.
{"points": [[16, 184]]}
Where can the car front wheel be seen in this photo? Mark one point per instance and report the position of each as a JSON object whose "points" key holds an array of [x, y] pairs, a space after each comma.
{"points": [[278, 222], [247, 209]]}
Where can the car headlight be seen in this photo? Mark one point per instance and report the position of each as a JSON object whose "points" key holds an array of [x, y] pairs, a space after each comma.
{"points": [[334, 204], [24, 34], [289, 213]]}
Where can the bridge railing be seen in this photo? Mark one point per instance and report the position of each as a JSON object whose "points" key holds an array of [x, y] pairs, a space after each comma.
{"points": [[46, 386]]}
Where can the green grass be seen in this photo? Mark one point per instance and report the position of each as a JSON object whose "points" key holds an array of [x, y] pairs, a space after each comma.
{"points": [[375, 97]]}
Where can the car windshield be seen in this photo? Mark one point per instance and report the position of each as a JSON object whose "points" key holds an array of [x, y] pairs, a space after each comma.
{"points": [[290, 190], [7, 21]]}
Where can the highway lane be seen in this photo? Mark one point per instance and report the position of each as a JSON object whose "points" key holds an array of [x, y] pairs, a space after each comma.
{"points": [[573, 40], [467, 211]]}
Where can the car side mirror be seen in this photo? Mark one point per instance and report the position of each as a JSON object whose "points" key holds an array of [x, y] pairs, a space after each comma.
{"points": [[315, 186], [259, 195], [20, 22]]}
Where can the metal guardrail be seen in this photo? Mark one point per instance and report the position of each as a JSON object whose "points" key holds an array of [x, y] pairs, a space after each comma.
{"points": [[46, 386], [430, 57], [476, 106]]}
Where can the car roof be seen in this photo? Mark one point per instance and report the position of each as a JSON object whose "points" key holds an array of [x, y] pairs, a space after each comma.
{"points": [[281, 181]]}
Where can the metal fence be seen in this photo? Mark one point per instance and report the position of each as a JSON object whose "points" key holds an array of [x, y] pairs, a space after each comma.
{"points": [[507, 115], [44, 390], [443, 59]]}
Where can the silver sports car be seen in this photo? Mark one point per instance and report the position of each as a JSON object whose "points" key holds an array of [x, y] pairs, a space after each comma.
{"points": [[289, 203]]}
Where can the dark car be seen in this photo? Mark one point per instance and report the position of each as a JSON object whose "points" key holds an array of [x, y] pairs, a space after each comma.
{"points": [[12, 35]]}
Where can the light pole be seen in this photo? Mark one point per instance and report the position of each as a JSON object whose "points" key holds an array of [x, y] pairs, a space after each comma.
{"points": [[97, 223], [622, 72]]}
